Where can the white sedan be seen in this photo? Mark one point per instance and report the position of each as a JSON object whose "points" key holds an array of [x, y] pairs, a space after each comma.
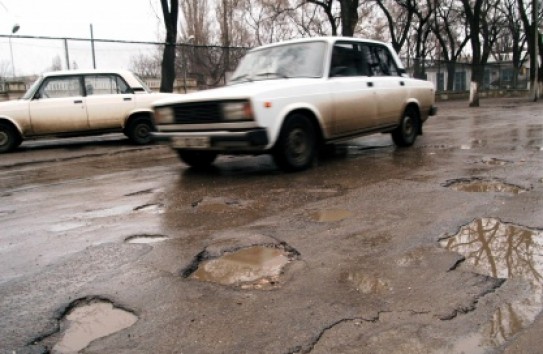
{"points": [[68, 103], [290, 98]]}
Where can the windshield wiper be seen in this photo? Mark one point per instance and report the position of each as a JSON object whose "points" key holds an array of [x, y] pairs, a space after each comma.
{"points": [[241, 77], [276, 74]]}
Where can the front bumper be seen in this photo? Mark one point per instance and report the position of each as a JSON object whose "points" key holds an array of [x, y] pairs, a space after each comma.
{"points": [[253, 140], [433, 111]]}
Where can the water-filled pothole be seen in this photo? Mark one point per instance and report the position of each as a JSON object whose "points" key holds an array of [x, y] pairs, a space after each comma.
{"points": [[503, 250], [478, 185], [254, 267], [145, 238], [88, 321], [330, 215]]}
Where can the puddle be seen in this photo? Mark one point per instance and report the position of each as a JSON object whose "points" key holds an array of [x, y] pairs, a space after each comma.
{"points": [[330, 215], [252, 267], [503, 250], [476, 185], [218, 204], [146, 239], [91, 321]]}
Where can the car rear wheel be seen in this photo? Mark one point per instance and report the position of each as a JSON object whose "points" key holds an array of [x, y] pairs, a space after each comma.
{"points": [[406, 133], [198, 159], [9, 138], [139, 131], [296, 147]]}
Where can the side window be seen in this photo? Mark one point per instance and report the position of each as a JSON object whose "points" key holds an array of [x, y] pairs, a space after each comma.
{"points": [[381, 62], [347, 60], [105, 85], [59, 87]]}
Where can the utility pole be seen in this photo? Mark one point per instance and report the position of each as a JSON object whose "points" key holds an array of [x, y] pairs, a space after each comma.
{"points": [[92, 47], [67, 54]]}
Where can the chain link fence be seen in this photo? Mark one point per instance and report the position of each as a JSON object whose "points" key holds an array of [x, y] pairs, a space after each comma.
{"points": [[199, 67]]}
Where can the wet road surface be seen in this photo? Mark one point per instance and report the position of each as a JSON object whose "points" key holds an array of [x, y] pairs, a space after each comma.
{"points": [[430, 249]]}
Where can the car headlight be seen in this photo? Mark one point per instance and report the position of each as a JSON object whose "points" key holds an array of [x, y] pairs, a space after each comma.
{"points": [[236, 111], [164, 115]]}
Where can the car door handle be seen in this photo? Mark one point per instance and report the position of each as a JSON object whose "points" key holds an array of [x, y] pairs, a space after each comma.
{"points": [[78, 101], [370, 84], [127, 99]]}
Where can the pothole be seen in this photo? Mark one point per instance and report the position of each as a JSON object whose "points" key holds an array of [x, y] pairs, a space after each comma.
{"points": [[151, 208], [365, 282], [502, 250], [142, 192], [496, 162], [145, 238], [255, 267], [88, 320], [218, 204], [477, 185], [330, 215], [6, 212]]}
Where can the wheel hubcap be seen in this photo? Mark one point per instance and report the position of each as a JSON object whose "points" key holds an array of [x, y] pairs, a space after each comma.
{"points": [[298, 144], [408, 126], [4, 139]]}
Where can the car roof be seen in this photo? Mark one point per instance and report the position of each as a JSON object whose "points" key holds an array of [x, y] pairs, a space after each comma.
{"points": [[85, 71], [328, 39], [129, 76]]}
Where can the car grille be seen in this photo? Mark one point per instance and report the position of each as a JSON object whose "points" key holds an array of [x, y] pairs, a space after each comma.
{"points": [[197, 113]]}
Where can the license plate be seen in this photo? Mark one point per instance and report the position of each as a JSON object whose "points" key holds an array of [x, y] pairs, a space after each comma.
{"points": [[197, 142]]}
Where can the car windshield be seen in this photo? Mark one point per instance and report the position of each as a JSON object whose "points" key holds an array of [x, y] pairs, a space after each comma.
{"points": [[30, 92], [293, 60]]}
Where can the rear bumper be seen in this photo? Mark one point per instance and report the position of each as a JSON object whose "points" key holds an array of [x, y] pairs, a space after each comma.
{"points": [[253, 140]]}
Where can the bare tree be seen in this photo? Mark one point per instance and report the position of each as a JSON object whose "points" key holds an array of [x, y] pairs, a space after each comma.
{"points": [[399, 15], [56, 64], [473, 10], [450, 30], [170, 12], [529, 20], [146, 65]]}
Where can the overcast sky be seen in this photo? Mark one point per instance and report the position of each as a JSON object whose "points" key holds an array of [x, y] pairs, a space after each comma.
{"points": [[135, 20]]}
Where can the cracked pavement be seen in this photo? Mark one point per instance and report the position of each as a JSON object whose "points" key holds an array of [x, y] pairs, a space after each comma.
{"points": [[375, 280]]}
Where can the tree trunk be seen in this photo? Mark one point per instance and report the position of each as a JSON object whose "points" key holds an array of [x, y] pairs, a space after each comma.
{"points": [[451, 71], [168, 59], [349, 17]]}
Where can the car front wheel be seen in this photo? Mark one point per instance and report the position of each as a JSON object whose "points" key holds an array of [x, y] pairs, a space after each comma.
{"points": [[406, 133], [9, 138], [295, 149], [196, 158], [139, 131]]}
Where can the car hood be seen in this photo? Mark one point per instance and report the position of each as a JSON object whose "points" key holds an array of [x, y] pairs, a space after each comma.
{"points": [[244, 90], [9, 106]]}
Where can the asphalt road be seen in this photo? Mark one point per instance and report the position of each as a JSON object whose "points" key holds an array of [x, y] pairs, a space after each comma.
{"points": [[432, 249]]}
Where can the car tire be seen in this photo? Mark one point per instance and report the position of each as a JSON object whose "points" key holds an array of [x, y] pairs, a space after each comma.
{"points": [[139, 131], [9, 138], [198, 159], [406, 133], [295, 149]]}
